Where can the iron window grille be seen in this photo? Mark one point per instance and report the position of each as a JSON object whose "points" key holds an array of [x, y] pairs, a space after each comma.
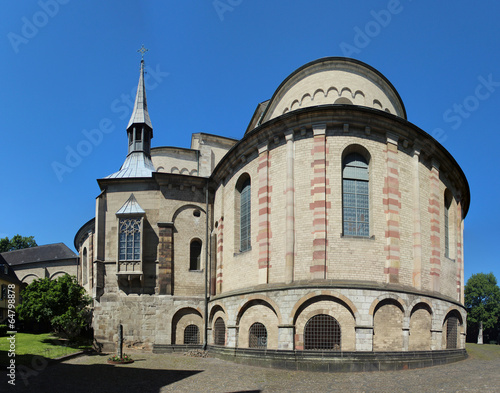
{"points": [[257, 336], [191, 335], [356, 210], [451, 332], [322, 332], [219, 332]]}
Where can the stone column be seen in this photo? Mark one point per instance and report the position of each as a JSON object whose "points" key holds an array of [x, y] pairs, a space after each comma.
{"points": [[285, 337], [364, 338], [417, 227], [264, 213], [166, 258], [220, 249], [232, 332], [392, 206], [435, 210], [460, 261], [436, 339], [318, 205], [290, 209]]}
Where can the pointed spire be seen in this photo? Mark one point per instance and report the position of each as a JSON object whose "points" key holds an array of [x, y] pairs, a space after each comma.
{"points": [[140, 113]]}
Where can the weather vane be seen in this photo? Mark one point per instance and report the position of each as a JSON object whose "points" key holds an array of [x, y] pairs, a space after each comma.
{"points": [[142, 51]]}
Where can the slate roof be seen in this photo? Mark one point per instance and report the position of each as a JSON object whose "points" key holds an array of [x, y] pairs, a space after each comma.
{"points": [[140, 114], [9, 274], [137, 164], [49, 252], [131, 206]]}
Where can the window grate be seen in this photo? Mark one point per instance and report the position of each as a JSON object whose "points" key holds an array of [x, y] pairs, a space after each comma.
{"points": [[451, 332], [219, 332], [322, 332], [191, 335], [257, 336]]}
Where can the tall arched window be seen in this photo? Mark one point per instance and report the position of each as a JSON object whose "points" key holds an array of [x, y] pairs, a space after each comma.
{"points": [[84, 267], [244, 216], [447, 205], [219, 332], [322, 332], [191, 335], [257, 336], [356, 211], [195, 255]]}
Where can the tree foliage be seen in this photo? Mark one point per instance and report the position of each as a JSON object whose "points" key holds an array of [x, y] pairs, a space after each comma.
{"points": [[61, 304], [16, 243], [482, 301]]}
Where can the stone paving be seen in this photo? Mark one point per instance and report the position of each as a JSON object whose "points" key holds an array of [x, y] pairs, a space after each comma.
{"points": [[177, 373]]}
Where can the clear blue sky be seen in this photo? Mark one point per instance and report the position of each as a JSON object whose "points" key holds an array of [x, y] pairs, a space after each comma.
{"points": [[70, 66]]}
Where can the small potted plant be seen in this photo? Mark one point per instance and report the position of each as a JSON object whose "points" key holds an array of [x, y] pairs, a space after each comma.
{"points": [[120, 360]]}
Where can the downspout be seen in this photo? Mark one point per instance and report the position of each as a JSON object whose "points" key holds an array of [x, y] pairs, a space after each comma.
{"points": [[206, 269]]}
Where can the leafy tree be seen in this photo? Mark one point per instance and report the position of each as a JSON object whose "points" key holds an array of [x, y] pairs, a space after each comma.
{"points": [[61, 304], [16, 243], [482, 301]]}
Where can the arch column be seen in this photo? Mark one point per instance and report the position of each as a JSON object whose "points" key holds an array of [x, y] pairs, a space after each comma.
{"points": [[290, 208], [285, 337], [417, 227], [232, 335], [364, 338], [318, 206], [435, 210], [392, 205], [264, 213]]}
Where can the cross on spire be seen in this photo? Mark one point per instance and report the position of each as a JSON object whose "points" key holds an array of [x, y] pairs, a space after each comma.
{"points": [[142, 51]]}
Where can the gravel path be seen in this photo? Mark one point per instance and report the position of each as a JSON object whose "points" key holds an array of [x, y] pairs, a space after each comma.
{"points": [[177, 373]]}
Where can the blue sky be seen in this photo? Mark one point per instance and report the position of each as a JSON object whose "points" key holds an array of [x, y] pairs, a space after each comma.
{"points": [[70, 68]]}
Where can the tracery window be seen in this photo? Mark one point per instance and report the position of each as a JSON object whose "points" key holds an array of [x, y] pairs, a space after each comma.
{"points": [[130, 239], [322, 332], [356, 210]]}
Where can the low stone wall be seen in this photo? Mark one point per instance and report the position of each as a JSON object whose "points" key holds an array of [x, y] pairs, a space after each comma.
{"points": [[337, 361]]}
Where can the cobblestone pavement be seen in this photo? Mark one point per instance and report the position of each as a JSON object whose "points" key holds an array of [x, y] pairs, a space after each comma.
{"points": [[177, 373]]}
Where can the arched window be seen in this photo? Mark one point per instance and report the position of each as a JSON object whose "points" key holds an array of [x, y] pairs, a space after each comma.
{"points": [[322, 332], [447, 205], [257, 336], [191, 335], [356, 211], [243, 190], [84, 267], [195, 255], [219, 332], [451, 332], [130, 239]]}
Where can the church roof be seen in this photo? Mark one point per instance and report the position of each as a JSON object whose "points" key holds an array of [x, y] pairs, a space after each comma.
{"points": [[137, 164], [131, 207], [140, 113], [48, 252]]}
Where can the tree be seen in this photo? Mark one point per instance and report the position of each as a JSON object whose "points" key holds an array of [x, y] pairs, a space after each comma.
{"points": [[482, 301], [61, 304], [16, 243]]}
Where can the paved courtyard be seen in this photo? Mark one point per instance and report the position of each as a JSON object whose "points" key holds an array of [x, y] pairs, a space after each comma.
{"points": [[178, 373]]}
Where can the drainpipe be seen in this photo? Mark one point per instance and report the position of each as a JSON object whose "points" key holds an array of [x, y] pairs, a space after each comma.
{"points": [[206, 269]]}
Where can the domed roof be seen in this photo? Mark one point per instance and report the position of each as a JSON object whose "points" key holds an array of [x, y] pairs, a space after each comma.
{"points": [[333, 80]]}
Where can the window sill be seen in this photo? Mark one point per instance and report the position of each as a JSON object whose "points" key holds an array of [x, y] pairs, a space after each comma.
{"points": [[195, 271], [342, 236], [242, 252]]}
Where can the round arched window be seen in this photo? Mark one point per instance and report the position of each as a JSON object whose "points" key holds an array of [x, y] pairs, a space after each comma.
{"points": [[322, 332]]}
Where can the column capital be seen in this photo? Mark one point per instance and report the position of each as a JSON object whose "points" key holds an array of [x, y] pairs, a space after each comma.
{"points": [[392, 138], [319, 129]]}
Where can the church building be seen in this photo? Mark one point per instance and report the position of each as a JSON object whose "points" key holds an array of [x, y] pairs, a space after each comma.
{"points": [[331, 233]]}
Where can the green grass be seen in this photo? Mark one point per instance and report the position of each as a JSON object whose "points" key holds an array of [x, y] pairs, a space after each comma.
{"points": [[483, 352], [45, 345]]}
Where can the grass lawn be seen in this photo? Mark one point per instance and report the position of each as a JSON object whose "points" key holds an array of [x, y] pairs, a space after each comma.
{"points": [[45, 345], [483, 352]]}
